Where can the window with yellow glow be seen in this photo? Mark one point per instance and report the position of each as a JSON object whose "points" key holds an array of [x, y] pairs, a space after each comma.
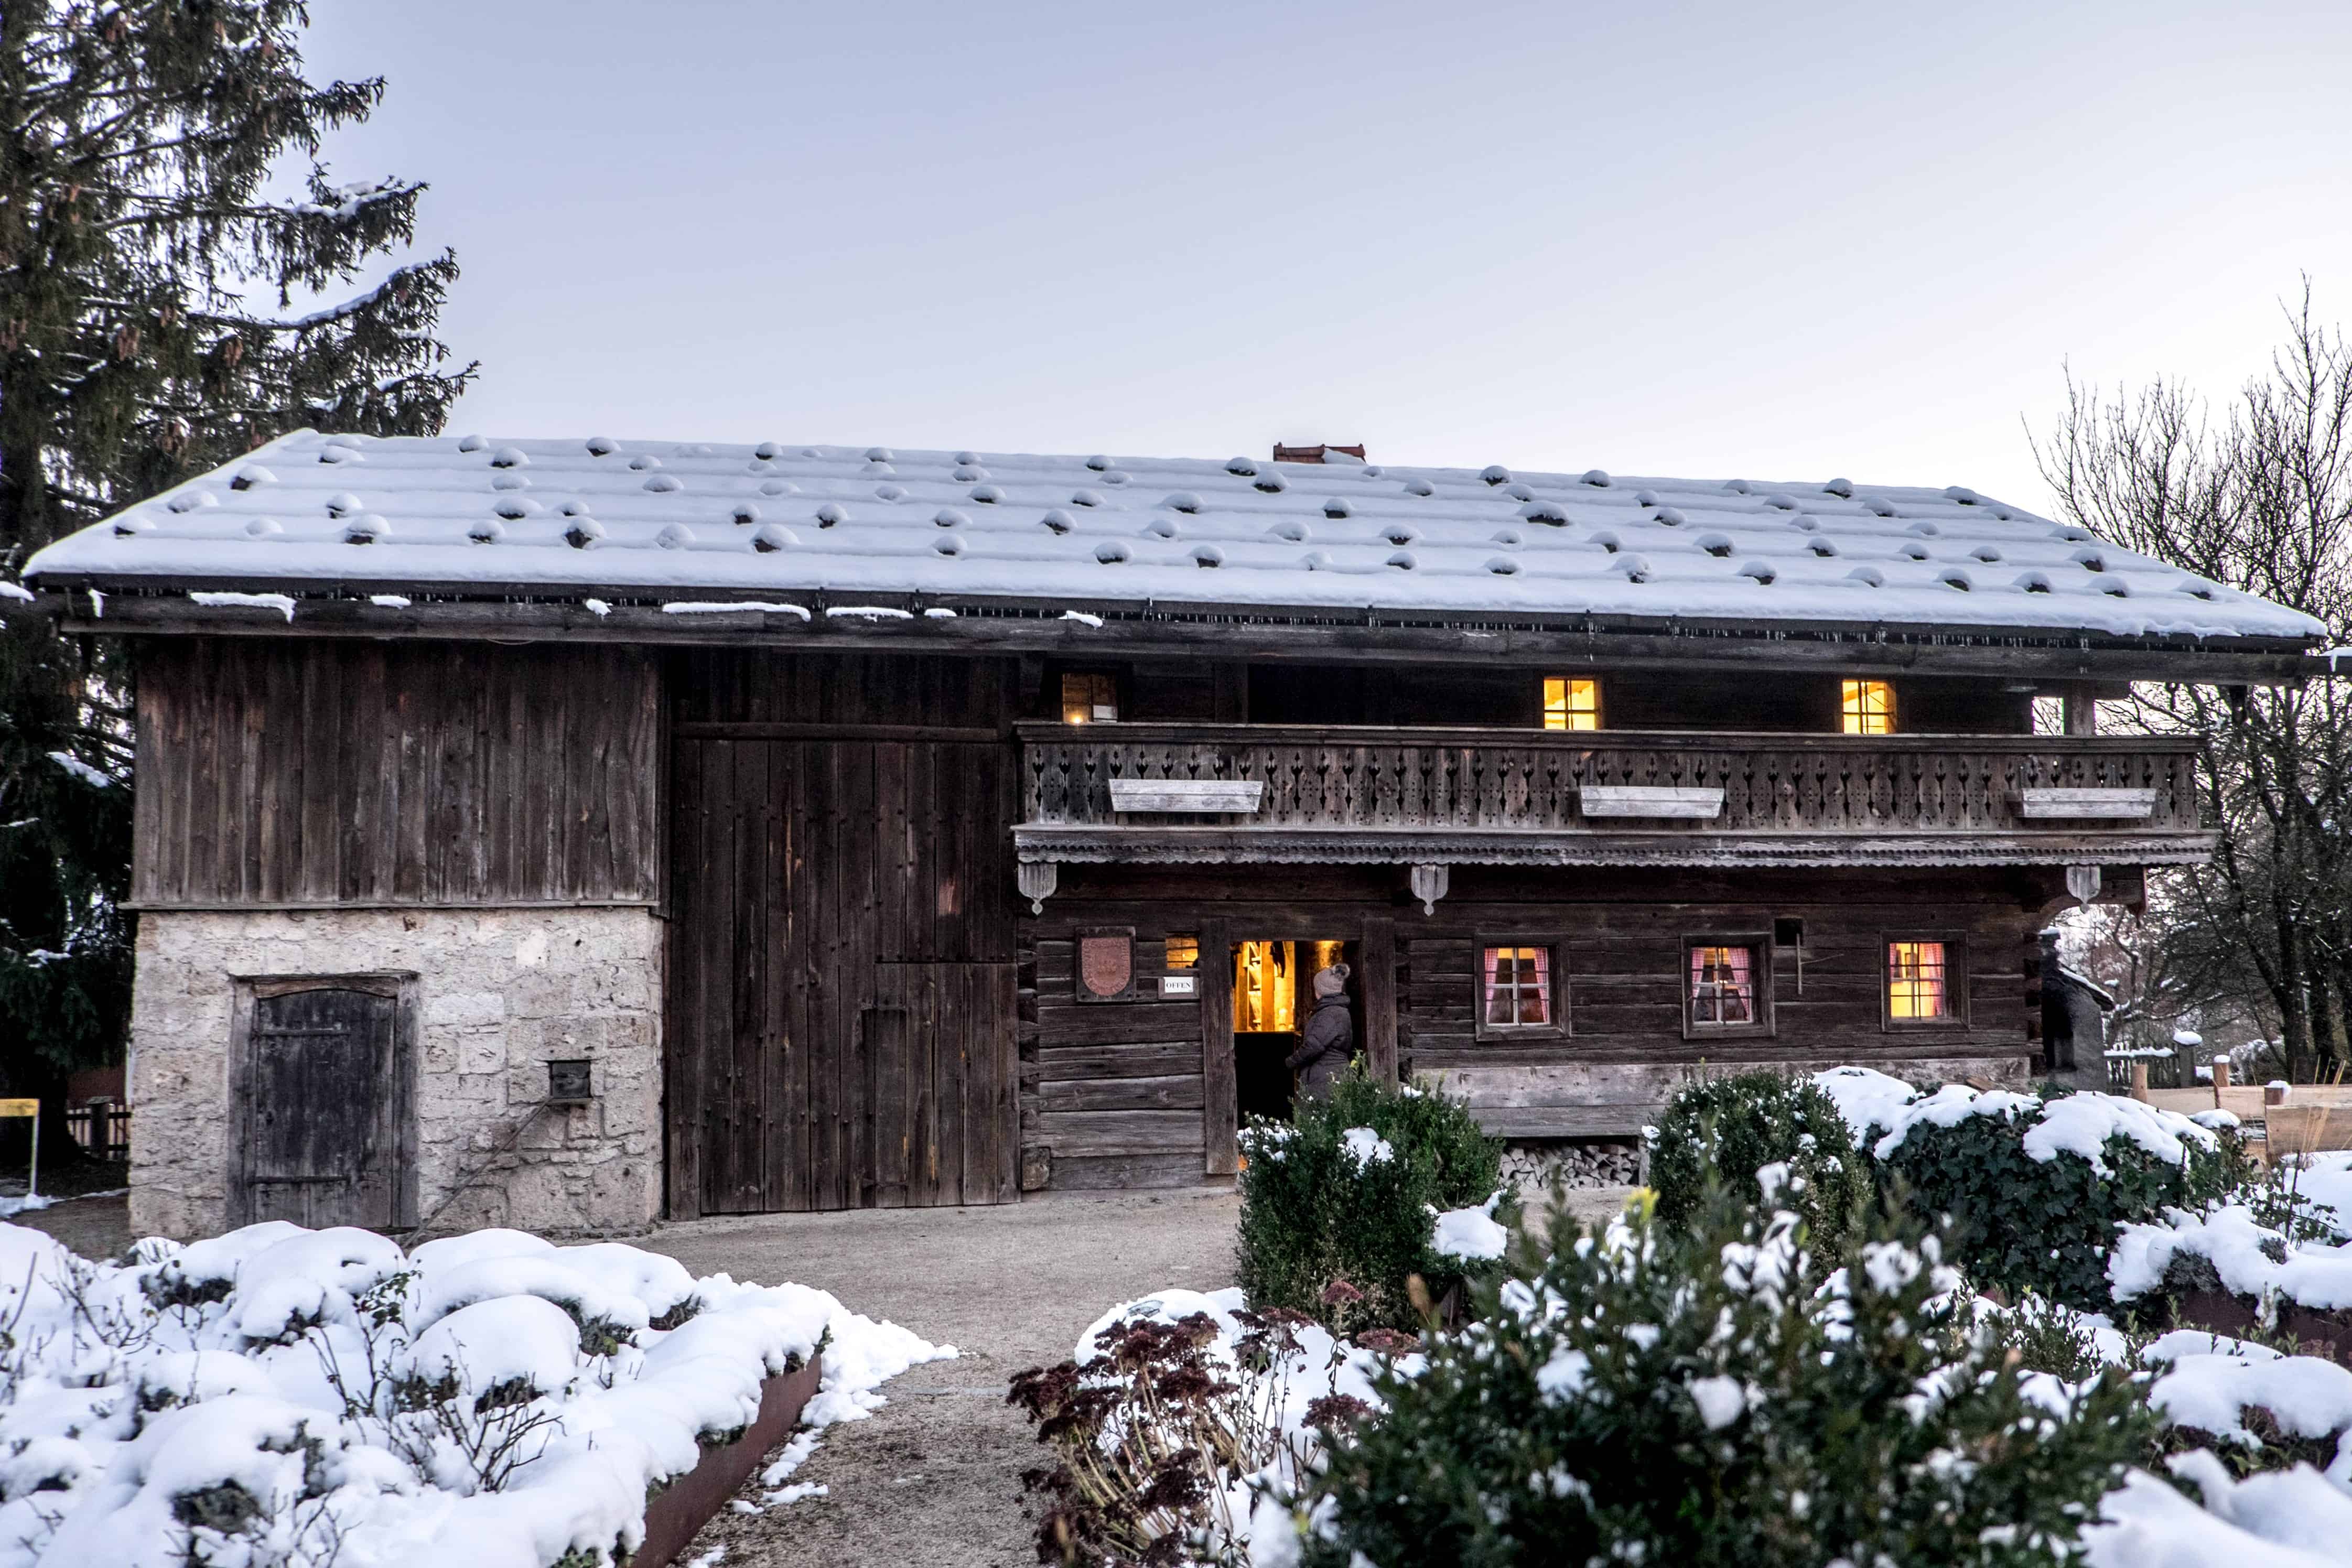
{"points": [[1917, 981], [1089, 699], [1867, 707], [1183, 952], [1572, 702]]}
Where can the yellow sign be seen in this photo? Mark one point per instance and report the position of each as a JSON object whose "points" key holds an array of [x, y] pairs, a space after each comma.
{"points": [[20, 1107]]}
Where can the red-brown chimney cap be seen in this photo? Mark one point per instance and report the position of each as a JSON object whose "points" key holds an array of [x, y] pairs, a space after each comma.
{"points": [[1314, 454]]}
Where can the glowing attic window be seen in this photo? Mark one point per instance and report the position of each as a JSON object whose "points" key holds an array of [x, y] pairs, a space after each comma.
{"points": [[1572, 702], [1089, 698], [1867, 707]]}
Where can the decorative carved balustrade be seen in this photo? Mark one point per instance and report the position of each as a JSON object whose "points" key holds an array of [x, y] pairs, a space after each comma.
{"points": [[1517, 797]]}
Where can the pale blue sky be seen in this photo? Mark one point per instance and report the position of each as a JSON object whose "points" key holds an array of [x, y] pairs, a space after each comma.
{"points": [[1777, 241]]}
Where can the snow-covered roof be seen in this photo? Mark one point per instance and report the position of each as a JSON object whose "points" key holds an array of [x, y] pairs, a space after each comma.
{"points": [[634, 519], [2083, 982]]}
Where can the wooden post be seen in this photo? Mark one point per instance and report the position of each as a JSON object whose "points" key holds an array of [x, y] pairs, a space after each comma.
{"points": [[2082, 709], [2221, 1077], [1220, 1095], [2139, 1078], [1378, 957]]}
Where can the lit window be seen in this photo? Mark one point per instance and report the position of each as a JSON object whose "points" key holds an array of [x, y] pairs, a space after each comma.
{"points": [[1867, 707], [1518, 989], [1183, 952], [1572, 703], [1915, 981], [1722, 987], [1089, 699]]}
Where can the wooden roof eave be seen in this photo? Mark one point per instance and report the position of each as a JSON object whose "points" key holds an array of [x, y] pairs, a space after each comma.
{"points": [[1189, 630]]}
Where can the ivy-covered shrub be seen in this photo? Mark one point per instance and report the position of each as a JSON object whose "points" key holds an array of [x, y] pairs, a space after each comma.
{"points": [[1723, 1395], [1337, 1205], [1727, 1129], [2036, 1189]]}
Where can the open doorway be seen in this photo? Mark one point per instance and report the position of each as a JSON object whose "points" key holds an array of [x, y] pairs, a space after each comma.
{"points": [[1274, 992]]}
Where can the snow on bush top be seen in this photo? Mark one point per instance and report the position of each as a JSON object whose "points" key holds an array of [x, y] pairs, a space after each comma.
{"points": [[458, 516], [1871, 1101], [2077, 1125], [286, 1396], [2250, 1257]]}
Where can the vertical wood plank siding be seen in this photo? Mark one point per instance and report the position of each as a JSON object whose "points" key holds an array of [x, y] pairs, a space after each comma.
{"points": [[315, 772], [842, 979]]}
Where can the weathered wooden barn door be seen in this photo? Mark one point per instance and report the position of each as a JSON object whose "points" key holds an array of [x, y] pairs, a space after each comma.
{"points": [[319, 1077], [841, 982]]}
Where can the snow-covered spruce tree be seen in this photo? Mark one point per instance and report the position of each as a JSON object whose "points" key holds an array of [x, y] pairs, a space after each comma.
{"points": [[149, 330], [1722, 1397]]}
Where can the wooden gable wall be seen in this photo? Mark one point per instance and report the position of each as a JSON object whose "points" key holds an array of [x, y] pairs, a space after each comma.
{"points": [[294, 774]]}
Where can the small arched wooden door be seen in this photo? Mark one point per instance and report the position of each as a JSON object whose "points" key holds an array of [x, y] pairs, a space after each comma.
{"points": [[320, 1076]]}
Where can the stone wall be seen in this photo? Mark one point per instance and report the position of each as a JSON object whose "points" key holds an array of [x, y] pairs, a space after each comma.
{"points": [[501, 992]]}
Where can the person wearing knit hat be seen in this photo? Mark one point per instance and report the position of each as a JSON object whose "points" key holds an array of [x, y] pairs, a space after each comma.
{"points": [[1330, 1036]]}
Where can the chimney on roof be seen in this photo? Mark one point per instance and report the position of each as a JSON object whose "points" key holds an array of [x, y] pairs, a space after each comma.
{"points": [[1316, 454]]}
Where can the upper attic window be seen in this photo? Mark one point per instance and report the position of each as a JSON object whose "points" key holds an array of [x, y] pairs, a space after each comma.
{"points": [[1572, 702], [1867, 707], [1089, 698]]}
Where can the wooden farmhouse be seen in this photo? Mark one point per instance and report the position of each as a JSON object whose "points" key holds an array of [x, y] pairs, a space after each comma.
{"points": [[569, 833]]}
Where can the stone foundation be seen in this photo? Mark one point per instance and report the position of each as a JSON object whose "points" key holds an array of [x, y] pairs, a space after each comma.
{"points": [[501, 993], [1535, 1165]]}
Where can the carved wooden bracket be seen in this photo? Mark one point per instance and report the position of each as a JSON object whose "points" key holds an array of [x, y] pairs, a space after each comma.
{"points": [[1429, 886], [1037, 879], [2082, 881]]}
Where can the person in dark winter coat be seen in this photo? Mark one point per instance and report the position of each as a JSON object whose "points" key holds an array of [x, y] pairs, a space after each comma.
{"points": [[1322, 1056]]}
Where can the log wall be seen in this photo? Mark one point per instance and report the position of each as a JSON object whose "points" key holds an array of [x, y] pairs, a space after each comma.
{"points": [[1139, 1092], [299, 775]]}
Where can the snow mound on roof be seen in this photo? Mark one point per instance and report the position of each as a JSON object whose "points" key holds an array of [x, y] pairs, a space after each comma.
{"points": [[295, 1397]]}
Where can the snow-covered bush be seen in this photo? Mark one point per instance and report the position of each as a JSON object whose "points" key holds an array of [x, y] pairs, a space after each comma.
{"points": [[1725, 1130], [2037, 1188], [1340, 1206], [1723, 1395], [282, 1396], [1172, 1416]]}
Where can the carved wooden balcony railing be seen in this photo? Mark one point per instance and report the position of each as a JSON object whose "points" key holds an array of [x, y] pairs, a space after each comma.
{"points": [[1606, 797]]}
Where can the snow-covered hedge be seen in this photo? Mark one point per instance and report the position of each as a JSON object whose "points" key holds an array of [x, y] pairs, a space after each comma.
{"points": [[2037, 1188], [1342, 1207], [1727, 1129], [278, 1395], [1721, 1395]]}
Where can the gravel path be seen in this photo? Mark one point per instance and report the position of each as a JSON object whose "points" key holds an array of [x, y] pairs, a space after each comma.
{"points": [[933, 1478]]}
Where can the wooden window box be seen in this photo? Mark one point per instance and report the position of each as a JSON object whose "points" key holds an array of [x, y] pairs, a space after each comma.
{"points": [[2103, 805], [1204, 795], [1658, 801]]}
